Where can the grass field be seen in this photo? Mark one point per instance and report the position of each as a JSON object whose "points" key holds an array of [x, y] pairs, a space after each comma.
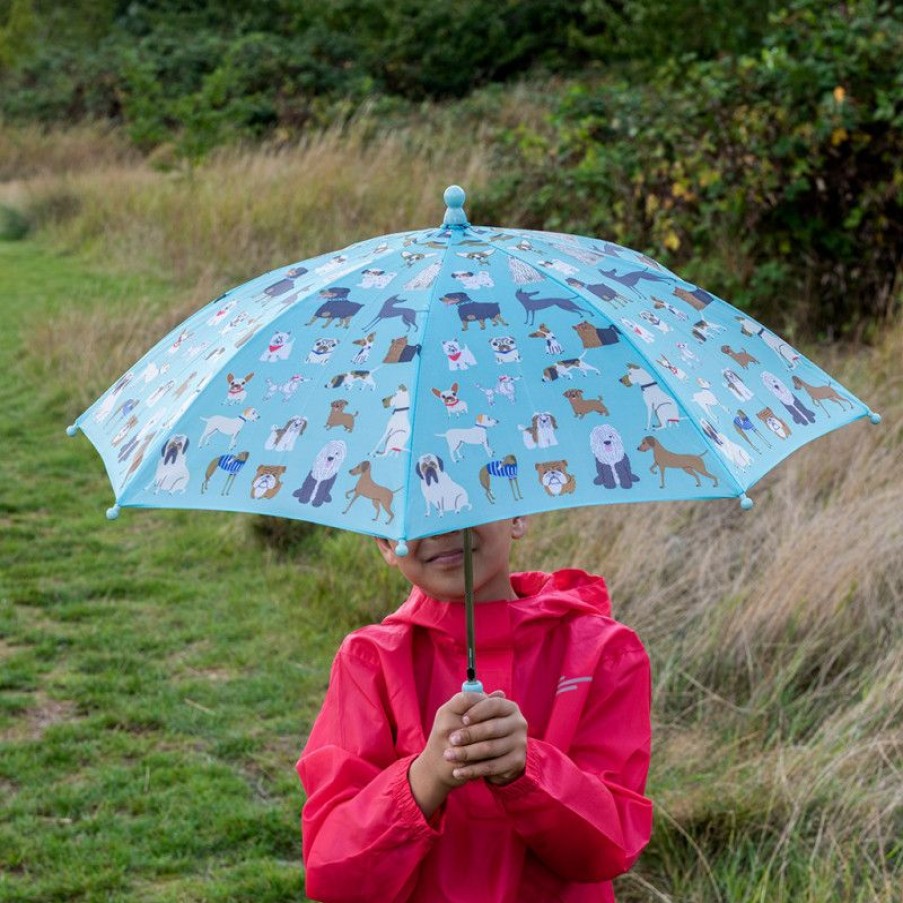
{"points": [[158, 675]]}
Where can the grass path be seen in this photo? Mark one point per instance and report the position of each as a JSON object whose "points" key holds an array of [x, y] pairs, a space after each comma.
{"points": [[157, 675]]}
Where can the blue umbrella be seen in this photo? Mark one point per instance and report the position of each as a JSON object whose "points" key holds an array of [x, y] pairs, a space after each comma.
{"points": [[429, 381]]}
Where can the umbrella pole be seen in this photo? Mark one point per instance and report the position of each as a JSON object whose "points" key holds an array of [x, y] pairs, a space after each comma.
{"points": [[471, 685]]}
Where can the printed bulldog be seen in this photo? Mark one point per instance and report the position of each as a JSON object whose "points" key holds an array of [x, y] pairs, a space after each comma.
{"points": [[554, 477], [267, 481]]}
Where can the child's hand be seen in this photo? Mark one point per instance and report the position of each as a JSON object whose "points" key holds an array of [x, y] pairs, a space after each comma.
{"points": [[431, 775], [491, 742]]}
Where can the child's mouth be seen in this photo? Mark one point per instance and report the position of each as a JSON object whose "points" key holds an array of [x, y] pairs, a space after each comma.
{"points": [[447, 557]]}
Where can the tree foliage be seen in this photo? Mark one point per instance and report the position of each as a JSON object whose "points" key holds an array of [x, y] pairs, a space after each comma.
{"points": [[795, 152]]}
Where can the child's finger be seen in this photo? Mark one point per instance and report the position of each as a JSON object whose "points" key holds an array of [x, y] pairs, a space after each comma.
{"points": [[489, 707], [461, 703], [508, 766]]}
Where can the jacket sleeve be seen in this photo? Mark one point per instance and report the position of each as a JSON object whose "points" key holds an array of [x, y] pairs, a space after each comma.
{"points": [[362, 827], [583, 813]]}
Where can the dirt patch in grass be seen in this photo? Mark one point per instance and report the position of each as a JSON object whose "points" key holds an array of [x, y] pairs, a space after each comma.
{"points": [[43, 713]]}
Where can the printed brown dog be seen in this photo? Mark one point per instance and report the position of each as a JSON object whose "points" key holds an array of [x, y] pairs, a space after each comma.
{"points": [[583, 406], [554, 477], [267, 481]]}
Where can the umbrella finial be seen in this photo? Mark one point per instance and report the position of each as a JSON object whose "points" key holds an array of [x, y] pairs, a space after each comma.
{"points": [[455, 216]]}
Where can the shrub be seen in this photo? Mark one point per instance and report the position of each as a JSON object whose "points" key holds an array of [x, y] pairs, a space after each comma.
{"points": [[794, 151]]}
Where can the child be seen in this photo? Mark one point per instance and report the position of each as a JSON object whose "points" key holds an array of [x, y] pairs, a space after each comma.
{"points": [[419, 792]]}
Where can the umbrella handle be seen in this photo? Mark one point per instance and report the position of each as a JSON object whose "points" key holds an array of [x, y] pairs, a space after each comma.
{"points": [[471, 685]]}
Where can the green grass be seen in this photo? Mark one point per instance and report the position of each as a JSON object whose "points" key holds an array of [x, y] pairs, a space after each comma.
{"points": [[157, 674]]}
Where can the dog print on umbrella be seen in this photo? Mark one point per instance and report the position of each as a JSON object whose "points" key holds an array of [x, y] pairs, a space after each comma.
{"points": [[801, 415], [820, 394], [555, 479], [532, 304], [283, 438], [454, 405], [317, 486], [777, 426], [227, 426], [600, 290], [231, 465], [172, 473], [478, 434], [394, 439], [505, 387], [782, 349], [664, 458], [321, 351], [393, 308], [661, 408], [440, 492], [279, 348], [502, 468], [470, 311], [336, 308], [612, 462], [267, 481], [582, 406], [366, 487], [746, 429]]}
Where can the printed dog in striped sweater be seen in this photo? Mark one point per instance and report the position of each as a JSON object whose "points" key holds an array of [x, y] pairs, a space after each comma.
{"points": [[504, 467], [231, 465]]}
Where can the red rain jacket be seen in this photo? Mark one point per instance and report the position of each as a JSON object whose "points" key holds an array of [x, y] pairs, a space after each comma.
{"points": [[560, 832]]}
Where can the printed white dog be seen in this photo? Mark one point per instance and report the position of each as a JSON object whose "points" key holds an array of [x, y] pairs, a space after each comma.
{"points": [[541, 431], [505, 349], [460, 357], [172, 470], [440, 491], [784, 351], [279, 348], [228, 426], [707, 400], [478, 434], [395, 437], [321, 351], [375, 278], [283, 438], [288, 388], [660, 407]]}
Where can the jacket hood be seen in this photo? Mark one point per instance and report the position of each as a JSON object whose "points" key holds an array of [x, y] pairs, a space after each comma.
{"points": [[541, 596]]}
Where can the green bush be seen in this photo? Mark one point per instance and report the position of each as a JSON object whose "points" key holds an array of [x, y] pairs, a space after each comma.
{"points": [[13, 224], [796, 151]]}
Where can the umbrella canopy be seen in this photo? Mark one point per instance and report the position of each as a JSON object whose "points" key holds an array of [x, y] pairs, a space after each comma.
{"points": [[429, 381]]}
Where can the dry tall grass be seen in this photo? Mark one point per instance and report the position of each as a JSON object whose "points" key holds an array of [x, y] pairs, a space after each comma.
{"points": [[243, 213], [776, 634], [777, 639]]}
